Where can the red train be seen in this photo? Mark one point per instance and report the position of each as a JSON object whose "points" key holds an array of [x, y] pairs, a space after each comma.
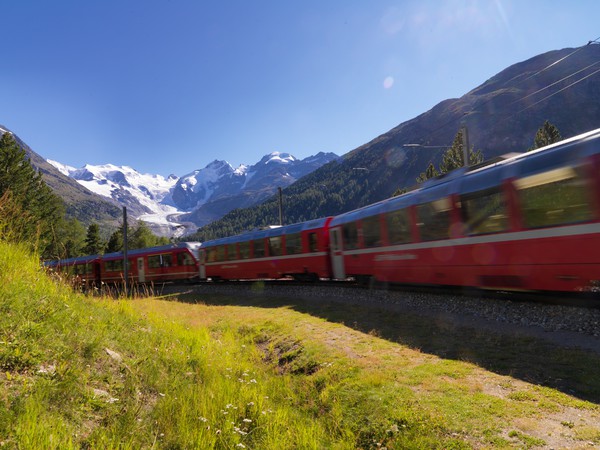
{"points": [[300, 251], [530, 222], [148, 265]]}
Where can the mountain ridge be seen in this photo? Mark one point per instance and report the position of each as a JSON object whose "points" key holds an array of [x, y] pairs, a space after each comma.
{"points": [[502, 116], [175, 206]]}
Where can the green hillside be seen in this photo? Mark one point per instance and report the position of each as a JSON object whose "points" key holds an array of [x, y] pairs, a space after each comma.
{"points": [[213, 371]]}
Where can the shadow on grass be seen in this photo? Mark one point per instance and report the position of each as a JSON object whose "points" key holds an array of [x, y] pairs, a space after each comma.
{"points": [[574, 372]]}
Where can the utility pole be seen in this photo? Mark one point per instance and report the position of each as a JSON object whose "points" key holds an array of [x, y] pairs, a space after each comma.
{"points": [[280, 207], [125, 268], [465, 142]]}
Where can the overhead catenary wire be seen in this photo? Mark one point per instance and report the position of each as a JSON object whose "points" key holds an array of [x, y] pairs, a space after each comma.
{"points": [[438, 129], [559, 91]]}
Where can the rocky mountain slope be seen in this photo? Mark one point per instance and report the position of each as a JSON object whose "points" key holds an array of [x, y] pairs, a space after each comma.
{"points": [[502, 116], [175, 206], [81, 203]]}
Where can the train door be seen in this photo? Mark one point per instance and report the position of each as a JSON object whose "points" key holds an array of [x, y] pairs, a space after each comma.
{"points": [[141, 271], [202, 265], [337, 256]]}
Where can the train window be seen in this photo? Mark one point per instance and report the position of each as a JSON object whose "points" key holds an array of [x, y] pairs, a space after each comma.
{"points": [[185, 259], [114, 265], [231, 252], [484, 212], [221, 253], [433, 219], [398, 225], [313, 243], [553, 198], [371, 231], [293, 244], [244, 248], [212, 254], [350, 234], [259, 248], [156, 261], [275, 246]]}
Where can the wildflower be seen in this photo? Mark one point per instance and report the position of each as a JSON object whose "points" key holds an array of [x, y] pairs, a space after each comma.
{"points": [[203, 419], [252, 381], [250, 404], [247, 420], [240, 445]]}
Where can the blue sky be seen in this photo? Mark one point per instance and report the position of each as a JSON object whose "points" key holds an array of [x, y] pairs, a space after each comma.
{"points": [[167, 86]]}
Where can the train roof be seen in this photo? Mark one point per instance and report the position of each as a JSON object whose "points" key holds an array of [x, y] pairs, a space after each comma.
{"points": [[272, 232], [489, 174], [72, 261], [191, 246]]}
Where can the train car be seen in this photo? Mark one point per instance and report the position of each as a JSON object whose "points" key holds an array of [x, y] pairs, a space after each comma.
{"points": [[85, 271], [529, 222], [175, 262], [300, 251]]}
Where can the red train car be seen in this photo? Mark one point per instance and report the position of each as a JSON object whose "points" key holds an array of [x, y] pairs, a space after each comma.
{"points": [[85, 271], [300, 250], [176, 262], [530, 222]]}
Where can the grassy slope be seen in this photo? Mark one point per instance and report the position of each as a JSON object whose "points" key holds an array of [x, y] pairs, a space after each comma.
{"points": [[88, 373]]}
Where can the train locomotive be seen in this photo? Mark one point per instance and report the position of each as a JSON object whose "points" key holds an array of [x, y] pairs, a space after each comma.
{"points": [[529, 222]]}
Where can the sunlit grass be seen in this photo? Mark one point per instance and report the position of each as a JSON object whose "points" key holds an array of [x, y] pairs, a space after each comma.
{"points": [[217, 372]]}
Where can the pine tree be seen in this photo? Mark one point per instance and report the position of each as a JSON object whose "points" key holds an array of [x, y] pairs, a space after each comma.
{"points": [[93, 243], [115, 242], [72, 236], [547, 134], [430, 172], [452, 159], [142, 237], [35, 199]]}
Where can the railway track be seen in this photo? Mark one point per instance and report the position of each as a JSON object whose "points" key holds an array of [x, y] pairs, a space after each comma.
{"points": [[561, 320]]}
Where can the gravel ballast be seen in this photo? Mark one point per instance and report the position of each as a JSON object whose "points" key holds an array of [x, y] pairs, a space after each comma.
{"points": [[564, 325]]}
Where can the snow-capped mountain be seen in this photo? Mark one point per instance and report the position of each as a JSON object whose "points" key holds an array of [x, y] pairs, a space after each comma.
{"points": [[175, 206], [209, 197]]}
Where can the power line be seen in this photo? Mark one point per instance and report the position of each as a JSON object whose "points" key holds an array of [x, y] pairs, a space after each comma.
{"points": [[558, 61], [559, 91], [555, 83]]}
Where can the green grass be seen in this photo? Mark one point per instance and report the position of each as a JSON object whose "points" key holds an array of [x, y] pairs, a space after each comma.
{"points": [[219, 372]]}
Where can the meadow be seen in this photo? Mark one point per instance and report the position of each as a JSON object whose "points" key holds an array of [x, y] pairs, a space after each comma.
{"points": [[212, 371]]}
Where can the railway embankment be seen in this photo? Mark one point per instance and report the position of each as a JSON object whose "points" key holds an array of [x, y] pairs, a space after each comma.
{"points": [[563, 325]]}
